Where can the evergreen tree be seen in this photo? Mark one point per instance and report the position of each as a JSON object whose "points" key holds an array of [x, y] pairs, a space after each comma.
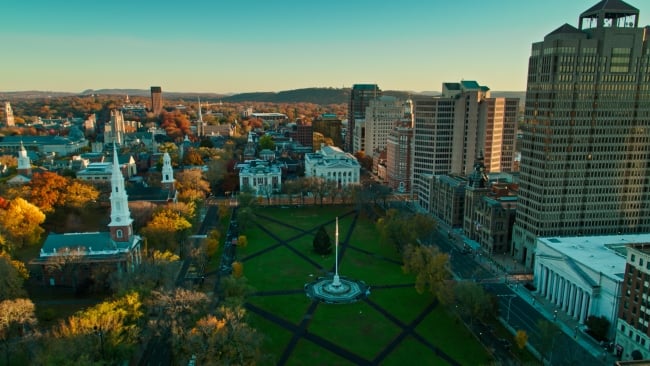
{"points": [[322, 242]]}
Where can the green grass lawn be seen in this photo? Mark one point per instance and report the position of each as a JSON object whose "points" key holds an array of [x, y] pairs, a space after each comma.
{"points": [[278, 265]]}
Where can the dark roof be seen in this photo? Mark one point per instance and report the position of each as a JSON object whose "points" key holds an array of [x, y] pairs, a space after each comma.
{"points": [[470, 84], [98, 241], [365, 87], [452, 86], [151, 194], [611, 6], [566, 29]]}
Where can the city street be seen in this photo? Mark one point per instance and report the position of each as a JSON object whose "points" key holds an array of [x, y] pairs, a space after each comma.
{"points": [[518, 311]]}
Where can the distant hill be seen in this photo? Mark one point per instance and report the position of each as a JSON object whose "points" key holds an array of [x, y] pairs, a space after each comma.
{"points": [[322, 96]]}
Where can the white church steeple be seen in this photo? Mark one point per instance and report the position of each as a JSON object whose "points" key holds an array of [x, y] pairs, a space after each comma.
{"points": [[24, 163], [120, 226], [167, 173]]}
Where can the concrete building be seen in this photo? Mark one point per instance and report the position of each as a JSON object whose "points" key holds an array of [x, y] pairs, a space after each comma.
{"points": [[9, 115], [451, 130], [156, 100], [399, 159], [500, 116], [583, 275], [489, 211], [331, 163], [303, 133], [360, 96], [586, 131], [632, 334], [371, 133], [447, 198], [114, 129]]}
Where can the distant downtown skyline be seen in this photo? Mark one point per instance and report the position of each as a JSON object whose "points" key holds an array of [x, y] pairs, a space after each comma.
{"points": [[255, 45]]}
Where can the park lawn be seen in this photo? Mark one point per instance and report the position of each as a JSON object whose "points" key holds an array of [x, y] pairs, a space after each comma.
{"points": [[403, 303], [290, 307], [372, 270], [278, 269], [275, 338], [356, 327], [308, 218], [308, 353], [446, 332], [412, 352]]}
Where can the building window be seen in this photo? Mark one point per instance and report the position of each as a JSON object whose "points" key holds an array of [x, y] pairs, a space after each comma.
{"points": [[118, 233]]}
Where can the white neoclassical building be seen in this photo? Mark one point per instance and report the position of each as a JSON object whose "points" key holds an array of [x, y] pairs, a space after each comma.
{"points": [[263, 177], [332, 164], [583, 275]]}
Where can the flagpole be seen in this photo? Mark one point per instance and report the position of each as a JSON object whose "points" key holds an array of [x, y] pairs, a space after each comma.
{"points": [[336, 281]]}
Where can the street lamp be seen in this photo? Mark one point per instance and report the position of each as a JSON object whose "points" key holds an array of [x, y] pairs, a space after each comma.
{"points": [[555, 315], [100, 333], [509, 302]]}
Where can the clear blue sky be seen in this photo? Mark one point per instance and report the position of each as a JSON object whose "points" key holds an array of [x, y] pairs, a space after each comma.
{"points": [[263, 45]]}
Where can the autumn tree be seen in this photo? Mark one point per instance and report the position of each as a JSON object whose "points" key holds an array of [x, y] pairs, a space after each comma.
{"points": [[431, 270], [47, 190], [266, 142], [20, 224], [242, 241], [472, 300], [12, 277], [158, 271], [176, 124], [223, 339], [78, 194], [400, 229], [322, 242], [142, 212], [237, 269], [17, 320], [211, 242], [166, 230], [191, 186], [106, 333], [521, 339], [192, 157]]}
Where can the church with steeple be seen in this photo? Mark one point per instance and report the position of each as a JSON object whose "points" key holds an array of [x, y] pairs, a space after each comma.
{"points": [[77, 259]]}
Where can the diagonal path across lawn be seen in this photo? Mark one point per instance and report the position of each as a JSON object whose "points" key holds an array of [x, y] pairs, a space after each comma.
{"points": [[301, 331]]}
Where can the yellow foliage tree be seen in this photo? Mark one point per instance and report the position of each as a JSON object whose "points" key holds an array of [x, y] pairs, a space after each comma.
{"points": [[166, 230], [20, 224], [242, 241], [237, 269], [521, 338], [431, 270]]}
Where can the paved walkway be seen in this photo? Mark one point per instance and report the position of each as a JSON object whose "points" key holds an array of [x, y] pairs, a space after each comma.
{"points": [[301, 331]]}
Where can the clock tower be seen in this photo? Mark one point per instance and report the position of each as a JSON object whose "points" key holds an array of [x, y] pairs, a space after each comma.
{"points": [[120, 226]]}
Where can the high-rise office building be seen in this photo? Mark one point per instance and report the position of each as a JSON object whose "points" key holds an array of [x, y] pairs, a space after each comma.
{"points": [[381, 115], [585, 148], [452, 130], [9, 115], [360, 96], [500, 116], [156, 100]]}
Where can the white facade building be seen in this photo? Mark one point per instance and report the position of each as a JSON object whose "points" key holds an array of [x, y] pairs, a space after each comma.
{"points": [[583, 275], [382, 114], [331, 163], [263, 177]]}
